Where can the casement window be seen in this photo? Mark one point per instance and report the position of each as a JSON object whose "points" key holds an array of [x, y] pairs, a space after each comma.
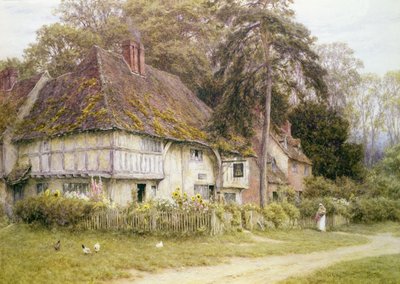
{"points": [[76, 187], [238, 170], [275, 196], [196, 155], [294, 167], [230, 197], [150, 145], [203, 190], [154, 191], [41, 187], [306, 170]]}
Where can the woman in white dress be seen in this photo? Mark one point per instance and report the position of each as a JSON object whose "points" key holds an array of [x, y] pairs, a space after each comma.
{"points": [[321, 218]]}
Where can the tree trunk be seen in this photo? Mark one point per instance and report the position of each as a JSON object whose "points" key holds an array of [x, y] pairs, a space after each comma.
{"points": [[266, 124]]}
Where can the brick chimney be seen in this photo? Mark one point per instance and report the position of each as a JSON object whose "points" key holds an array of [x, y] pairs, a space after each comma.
{"points": [[287, 128], [8, 77], [133, 54]]}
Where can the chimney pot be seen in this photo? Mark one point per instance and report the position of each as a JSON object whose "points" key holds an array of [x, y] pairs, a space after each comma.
{"points": [[133, 54], [8, 78]]}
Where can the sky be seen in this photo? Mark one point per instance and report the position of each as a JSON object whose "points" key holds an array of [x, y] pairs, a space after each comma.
{"points": [[370, 27]]}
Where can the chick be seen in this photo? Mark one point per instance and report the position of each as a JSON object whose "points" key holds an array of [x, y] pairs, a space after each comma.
{"points": [[97, 247], [86, 250]]}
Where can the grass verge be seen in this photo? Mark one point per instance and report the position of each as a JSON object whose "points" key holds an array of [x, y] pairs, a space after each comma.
{"points": [[372, 229], [382, 269], [27, 254]]}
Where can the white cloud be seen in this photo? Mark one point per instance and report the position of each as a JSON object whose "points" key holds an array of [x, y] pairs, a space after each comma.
{"points": [[370, 27], [19, 20]]}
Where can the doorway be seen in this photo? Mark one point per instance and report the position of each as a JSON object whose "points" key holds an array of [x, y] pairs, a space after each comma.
{"points": [[18, 192], [141, 192]]}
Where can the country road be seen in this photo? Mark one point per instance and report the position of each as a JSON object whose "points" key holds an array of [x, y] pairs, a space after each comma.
{"points": [[269, 269]]}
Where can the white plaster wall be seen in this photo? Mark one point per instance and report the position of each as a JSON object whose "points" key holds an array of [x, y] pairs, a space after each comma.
{"points": [[227, 172], [280, 156], [182, 172]]}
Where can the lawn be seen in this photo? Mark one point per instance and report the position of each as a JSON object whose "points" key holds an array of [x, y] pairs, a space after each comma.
{"points": [[383, 269], [27, 254]]}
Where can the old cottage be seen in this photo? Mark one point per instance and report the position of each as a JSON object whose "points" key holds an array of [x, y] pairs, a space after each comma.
{"points": [[138, 128]]}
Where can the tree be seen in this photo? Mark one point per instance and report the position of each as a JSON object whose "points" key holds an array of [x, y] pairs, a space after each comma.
{"points": [[323, 133], [342, 68], [179, 37], [257, 58], [391, 103], [104, 18], [365, 110], [59, 48]]}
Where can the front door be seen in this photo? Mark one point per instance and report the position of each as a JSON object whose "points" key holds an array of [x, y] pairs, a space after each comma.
{"points": [[141, 192], [18, 192]]}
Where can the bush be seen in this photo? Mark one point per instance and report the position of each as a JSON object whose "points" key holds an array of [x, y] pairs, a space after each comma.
{"points": [[55, 210], [291, 211], [274, 213], [308, 207], [321, 187], [379, 209]]}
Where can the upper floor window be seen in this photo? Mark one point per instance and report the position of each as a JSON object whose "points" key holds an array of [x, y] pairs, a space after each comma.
{"points": [[45, 146], [238, 170], [294, 167], [196, 155], [306, 170], [150, 145]]}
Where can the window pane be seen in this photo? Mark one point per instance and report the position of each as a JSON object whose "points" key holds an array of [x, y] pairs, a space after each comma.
{"points": [[238, 170], [230, 197]]}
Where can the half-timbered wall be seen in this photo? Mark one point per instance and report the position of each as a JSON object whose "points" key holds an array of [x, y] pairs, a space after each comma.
{"points": [[88, 154], [137, 157]]}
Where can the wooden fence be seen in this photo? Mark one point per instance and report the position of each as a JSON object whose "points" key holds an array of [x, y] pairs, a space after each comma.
{"points": [[188, 222], [155, 222], [332, 221]]}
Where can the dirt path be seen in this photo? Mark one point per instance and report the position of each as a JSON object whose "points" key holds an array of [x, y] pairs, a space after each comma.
{"points": [[268, 269]]}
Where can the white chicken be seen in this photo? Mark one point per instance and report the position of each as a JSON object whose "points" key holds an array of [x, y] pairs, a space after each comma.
{"points": [[160, 245], [86, 250], [97, 247]]}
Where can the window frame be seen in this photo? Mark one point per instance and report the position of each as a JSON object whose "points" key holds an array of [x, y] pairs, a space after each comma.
{"points": [[237, 172], [196, 155]]}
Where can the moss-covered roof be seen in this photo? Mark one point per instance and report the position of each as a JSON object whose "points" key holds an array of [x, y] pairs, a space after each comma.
{"points": [[11, 101], [102, 93]]}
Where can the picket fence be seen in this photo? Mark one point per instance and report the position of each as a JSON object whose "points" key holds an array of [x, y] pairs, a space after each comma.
{"points": [[153, 222], [177, 222]]}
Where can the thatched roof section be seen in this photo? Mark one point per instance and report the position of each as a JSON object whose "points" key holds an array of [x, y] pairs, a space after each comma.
{"points": [[291, 147], [103, 94], [11, 101]]}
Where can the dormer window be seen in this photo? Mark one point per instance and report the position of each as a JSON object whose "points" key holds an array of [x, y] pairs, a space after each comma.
{"points": [[238, 170], [196, 155], [306, 170]]}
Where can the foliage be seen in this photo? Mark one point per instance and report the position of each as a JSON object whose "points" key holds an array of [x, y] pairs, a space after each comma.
{"points": [[275, 213], [321, 187], [53, 209], [286, 193], [367, 210], [291, 211], [323, 133], [384, 179], [309, 207], [59, 48], [342, 69]]}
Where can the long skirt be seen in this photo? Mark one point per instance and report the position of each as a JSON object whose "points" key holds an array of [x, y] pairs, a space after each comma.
{"points": [[321, 224]]}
